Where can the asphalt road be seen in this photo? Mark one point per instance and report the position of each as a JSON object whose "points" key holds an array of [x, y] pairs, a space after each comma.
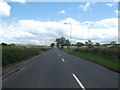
{"points": [[57, 69]]}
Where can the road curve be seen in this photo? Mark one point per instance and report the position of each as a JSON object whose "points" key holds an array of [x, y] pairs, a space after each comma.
{"points": [[58, 69]]}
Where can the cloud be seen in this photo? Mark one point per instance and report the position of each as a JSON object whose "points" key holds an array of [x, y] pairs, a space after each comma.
{"points": [[61, 12], [105, 30], [70, 20], [42, 33], [117, 13], [109, 4], [112, 4], [4, 9], [20, 1], [85, 7], [105, 23]]}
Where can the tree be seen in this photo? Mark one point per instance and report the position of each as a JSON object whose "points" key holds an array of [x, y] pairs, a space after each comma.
{"points": [[97, 44], [79, 44], [89, 43], [58, 40], [113, 43], [57, 44], [52, 45], [3, 44], [63, 41], [67, 43], [86, 43], [73, 44]]}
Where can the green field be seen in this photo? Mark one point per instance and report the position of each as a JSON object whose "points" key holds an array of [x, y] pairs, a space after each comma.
{"points": [[105, 56], [15, 54]]}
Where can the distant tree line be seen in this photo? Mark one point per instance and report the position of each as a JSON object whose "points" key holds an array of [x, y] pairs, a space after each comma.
{"points": [[5, 44], [61, 42]]}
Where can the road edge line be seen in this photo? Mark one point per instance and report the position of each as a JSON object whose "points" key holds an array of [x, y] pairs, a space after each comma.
{"points": [[78, 81]]}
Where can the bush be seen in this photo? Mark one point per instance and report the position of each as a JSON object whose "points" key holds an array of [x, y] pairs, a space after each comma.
{"points": [[15, 54], [108, 53]]}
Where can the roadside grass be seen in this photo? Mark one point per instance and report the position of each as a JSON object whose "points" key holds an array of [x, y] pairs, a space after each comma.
{"points": [[15, 54], [111, 64]]}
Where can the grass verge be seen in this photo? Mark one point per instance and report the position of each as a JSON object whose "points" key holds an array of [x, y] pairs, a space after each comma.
{"points": [[113, 65]]}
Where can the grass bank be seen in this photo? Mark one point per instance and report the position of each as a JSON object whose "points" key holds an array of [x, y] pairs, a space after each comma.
{"points": [[16, 54], [111, 62]]}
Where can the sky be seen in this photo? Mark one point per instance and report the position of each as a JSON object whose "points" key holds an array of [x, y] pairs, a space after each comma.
{"points": [[40, 23]]}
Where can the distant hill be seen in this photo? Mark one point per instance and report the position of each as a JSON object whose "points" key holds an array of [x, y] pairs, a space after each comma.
{"points": [[25, 45]]}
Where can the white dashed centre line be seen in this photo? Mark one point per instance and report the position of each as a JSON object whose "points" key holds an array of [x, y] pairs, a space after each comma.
{"points": [[63, 60], [78, 81]]}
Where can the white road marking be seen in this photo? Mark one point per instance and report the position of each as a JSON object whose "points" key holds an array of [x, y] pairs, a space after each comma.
{"points": [[63, 60], [12, 74], [78, 81]]}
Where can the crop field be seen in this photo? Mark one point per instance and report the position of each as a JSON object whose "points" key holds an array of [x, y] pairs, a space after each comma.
{"points": [[15, 54]]}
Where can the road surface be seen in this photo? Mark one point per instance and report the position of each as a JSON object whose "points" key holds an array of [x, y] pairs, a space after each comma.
{"points": [[58, 69]]}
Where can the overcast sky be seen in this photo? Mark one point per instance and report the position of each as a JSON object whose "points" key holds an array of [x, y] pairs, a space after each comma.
{"points": [[40, 23]]}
